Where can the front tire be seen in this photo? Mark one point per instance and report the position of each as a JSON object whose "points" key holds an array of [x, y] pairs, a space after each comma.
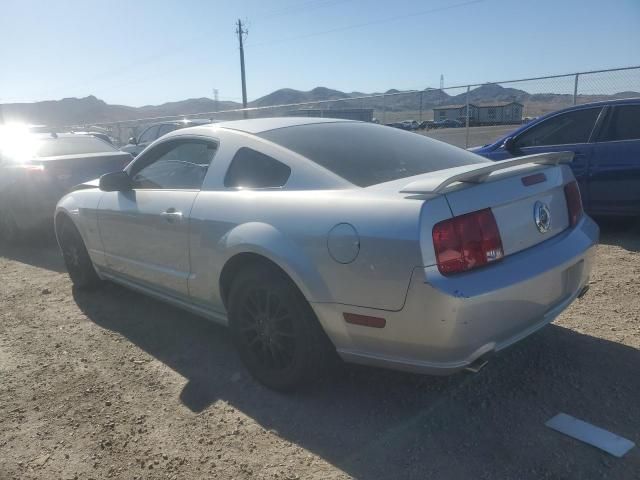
{"points": [[76, 257], [275, 331]]}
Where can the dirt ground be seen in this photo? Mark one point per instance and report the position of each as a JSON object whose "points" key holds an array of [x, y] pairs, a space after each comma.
{"points": [[111, 384]]}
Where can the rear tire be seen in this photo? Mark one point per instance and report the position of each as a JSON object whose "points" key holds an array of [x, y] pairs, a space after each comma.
{"points": [[76, 258], [275, 331]]}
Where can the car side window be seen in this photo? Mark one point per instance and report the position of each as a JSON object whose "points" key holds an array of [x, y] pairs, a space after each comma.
{"points": [[149, 135], [176, 165], [624, 124], [164, 129], [252, 169], [565, 129]]}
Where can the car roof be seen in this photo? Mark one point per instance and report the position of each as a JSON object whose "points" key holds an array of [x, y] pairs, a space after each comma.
{"points": [[541, 118], [54, 135], [185, 121], [602, 103], [260, 125]]}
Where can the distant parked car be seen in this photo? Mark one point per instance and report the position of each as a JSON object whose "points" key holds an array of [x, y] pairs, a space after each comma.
{"points": [[157, 130], [36, 170], [605, 137], [447, 124], [100, 135], [409, 124], [426, 125], [310, 237]]}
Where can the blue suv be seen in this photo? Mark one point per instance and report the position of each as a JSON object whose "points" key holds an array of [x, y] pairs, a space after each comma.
{"points": [[605, 137]]}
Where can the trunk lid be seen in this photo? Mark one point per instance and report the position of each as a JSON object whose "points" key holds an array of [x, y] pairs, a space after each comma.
{"points": [[525, 214], [70, 170], [525, 195]]}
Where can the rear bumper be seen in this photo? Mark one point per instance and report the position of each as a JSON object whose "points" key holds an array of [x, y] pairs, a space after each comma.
{"points": [[447, 323], [36, 212]]}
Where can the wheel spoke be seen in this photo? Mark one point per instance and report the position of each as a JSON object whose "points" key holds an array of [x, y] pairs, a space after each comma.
{"points": [[267, 327], [251, 306], [256, 339], [284, 353], [284, 334]]}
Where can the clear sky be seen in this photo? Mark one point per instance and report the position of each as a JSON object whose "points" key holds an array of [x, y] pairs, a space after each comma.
{"points": [[139, 52]]}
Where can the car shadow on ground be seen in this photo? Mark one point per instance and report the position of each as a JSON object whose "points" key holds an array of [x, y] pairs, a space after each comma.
{"points": [[41, 252], [623, 232], [373, 423]]}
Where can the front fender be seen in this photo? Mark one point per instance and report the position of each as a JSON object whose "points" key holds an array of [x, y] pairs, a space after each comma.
{"points": [[81, 207], [265, 240]]}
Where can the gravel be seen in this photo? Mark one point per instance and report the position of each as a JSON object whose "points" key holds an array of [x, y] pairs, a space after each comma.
{"points": [[111, 384]]}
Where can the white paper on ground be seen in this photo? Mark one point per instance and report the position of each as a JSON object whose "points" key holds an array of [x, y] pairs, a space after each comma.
{"points": [[598, 437]]}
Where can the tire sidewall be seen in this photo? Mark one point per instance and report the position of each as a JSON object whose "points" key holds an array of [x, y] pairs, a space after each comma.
{"points": [[83, 275], [302, 366]]}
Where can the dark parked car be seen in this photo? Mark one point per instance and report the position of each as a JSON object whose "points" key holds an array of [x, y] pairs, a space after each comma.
{"points": [[605, 137], [157, 130], [447, 124], [100, 135], [425, 125], [36, 170]]}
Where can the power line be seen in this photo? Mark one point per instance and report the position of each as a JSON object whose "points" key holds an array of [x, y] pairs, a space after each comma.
{"points": [[301, 7], [367, 24]]}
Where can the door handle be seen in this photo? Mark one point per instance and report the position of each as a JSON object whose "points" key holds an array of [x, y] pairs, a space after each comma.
{"points": [[171, 215]]}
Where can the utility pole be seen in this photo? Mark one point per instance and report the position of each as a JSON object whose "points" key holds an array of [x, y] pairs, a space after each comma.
{"points": [[441, 81], [216, 106], [240, 31]]}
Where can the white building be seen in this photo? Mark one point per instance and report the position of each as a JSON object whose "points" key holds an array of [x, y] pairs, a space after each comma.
{"points": [[482, 113]]}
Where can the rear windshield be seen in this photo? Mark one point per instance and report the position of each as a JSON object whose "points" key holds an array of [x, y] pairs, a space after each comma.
{"points": [[53, 147], [367, 154]]}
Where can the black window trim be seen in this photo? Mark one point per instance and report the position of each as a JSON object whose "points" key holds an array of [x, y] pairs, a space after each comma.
{"points": [[604, 124], [589, 140], [139, 158]]}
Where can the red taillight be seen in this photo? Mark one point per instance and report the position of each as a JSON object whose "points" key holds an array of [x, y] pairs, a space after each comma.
{"points": [[364, 320], [534, 179], [32, 168], [574, 202], [466, 242]]}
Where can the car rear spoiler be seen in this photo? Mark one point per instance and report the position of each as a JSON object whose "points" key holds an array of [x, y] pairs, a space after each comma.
{"points": [[436, 182]]}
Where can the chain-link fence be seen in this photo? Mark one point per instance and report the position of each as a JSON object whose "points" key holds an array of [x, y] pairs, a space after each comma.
{"points": [[463, 115]]}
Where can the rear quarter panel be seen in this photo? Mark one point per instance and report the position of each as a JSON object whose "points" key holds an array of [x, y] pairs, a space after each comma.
{"points": [[291, 228]]}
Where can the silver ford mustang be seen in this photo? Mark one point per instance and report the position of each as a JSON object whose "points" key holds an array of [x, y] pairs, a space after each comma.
{"points": [[309, 237]]}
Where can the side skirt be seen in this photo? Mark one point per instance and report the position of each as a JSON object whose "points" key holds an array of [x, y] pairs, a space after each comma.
{"points": [[216, 317]]}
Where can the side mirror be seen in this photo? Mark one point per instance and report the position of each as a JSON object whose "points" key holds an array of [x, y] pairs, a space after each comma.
{"points": [[510, 145], [115, 182], [133, 141]]}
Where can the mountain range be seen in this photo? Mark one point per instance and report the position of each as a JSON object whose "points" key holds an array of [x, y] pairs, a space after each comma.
{"points": [[91, 110]]}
